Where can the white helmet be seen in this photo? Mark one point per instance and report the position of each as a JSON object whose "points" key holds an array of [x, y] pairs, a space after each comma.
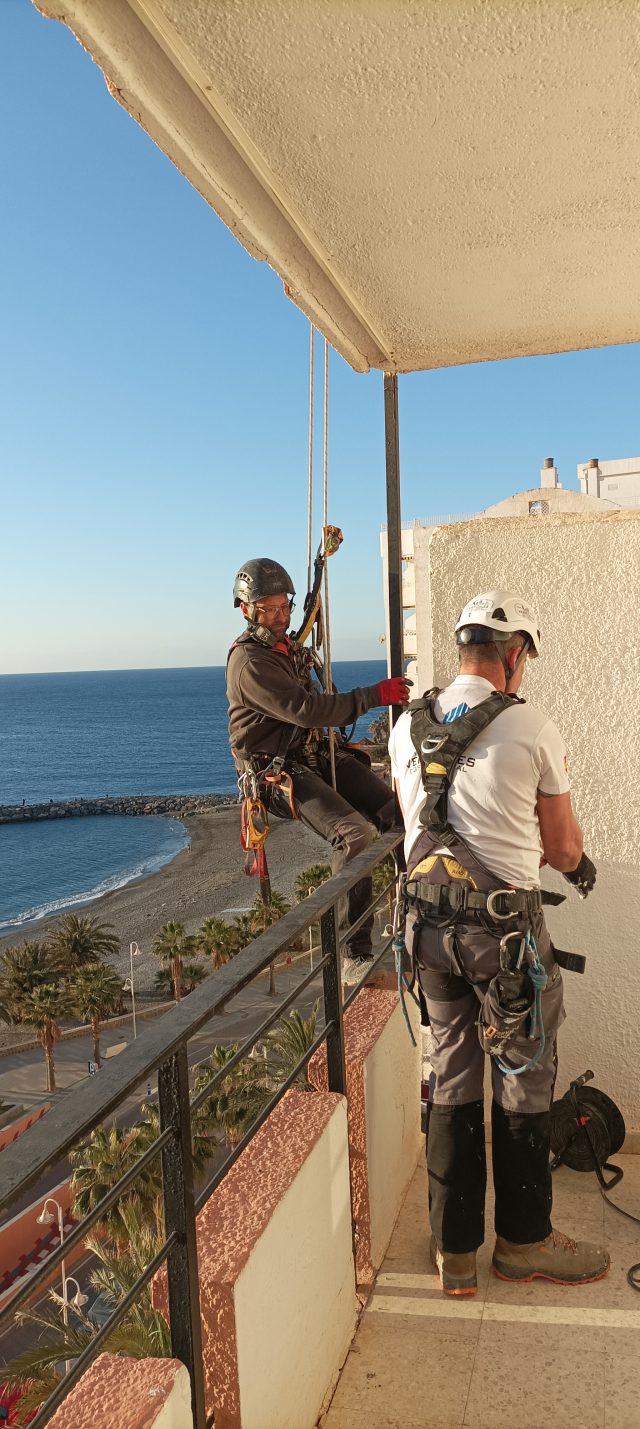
{"points": [[503, 614]]}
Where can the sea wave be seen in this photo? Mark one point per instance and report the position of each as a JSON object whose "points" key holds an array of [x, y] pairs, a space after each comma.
{"points": [[144, 869]]}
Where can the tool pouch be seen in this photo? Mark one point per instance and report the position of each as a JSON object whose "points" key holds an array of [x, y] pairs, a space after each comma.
{"points": [[504, 1010]]}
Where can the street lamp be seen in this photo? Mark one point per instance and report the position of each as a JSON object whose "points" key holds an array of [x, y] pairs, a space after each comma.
{"points": [[79, 1300], [47, 1218], [134, 952]]}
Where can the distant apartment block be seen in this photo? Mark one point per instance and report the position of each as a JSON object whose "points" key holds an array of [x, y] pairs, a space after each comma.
{"points": [[617, 481]]}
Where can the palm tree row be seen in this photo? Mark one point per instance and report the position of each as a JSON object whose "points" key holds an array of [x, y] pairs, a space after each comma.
{"points": [[128, 1236], [68, 975]]}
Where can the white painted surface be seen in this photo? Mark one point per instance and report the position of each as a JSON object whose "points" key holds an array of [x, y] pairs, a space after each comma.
{"points": [[392, 1111], [617, 480], [295, 1300], [582, 573], [175, 1412], [437, 183]]}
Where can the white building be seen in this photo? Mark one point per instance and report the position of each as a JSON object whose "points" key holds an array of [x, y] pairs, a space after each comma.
{"points": [[618, 479]]}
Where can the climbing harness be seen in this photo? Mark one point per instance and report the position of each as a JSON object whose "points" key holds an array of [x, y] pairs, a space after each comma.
{"points": [[514, 995], [440, 746]]}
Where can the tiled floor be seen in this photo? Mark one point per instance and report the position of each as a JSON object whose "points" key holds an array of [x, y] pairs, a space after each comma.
{"points": [[513, 1357]]}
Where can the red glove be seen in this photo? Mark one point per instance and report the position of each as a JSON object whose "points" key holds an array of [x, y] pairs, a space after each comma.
{"points": [[395, 691]]}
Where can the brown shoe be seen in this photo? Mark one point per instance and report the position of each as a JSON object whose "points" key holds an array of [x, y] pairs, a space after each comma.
{"points": [[457, 1272], [558, 1258]]}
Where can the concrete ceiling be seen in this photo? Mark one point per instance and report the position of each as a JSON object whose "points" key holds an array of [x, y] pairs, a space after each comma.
{"points": [[436, 181]]}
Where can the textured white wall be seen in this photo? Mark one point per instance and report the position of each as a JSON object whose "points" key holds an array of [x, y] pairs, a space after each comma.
{"points": [[392, 1112], [582, 573], [295, 1299]]}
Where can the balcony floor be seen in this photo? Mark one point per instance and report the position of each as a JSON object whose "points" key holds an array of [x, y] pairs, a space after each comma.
{"points": [[518, 1356]]}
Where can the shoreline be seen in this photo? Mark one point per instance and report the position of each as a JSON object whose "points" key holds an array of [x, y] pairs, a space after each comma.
{"points": [[207, 880]]}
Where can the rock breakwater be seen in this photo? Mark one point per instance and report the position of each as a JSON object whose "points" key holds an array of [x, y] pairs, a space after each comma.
{"points": [[134, 804]]}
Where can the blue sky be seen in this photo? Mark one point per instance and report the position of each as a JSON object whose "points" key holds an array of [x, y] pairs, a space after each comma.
{"points": [[153, 394]]}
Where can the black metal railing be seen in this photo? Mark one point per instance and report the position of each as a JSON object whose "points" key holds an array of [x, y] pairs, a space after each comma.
{"points": [[163, 1048]]}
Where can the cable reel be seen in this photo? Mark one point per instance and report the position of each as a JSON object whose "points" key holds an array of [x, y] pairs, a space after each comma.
{"points": [[587, 1128]]}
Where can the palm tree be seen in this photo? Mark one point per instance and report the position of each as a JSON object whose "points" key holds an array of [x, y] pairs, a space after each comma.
{"points": [[215, 940], [236, 1101], [379, 729], [42, 1007], [384, 876], [203, 1128], [77, 941], [95, 992], [310, 879], [22, 968], [98, 1163], [172, 946], [287, 1042], [263, 916], [142, 1333], [192, 974]]}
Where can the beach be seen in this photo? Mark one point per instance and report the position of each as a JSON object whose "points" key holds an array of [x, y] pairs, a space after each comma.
{"points": [[197, 884]]}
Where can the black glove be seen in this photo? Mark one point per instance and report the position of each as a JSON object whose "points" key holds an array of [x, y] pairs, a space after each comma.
{"points": [[583, 877]]}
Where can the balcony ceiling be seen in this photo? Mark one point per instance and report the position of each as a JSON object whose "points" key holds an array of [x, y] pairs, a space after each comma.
{"points": [[436, 181]]}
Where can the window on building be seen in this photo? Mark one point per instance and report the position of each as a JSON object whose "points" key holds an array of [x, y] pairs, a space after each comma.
{"points": [[538, 508]]}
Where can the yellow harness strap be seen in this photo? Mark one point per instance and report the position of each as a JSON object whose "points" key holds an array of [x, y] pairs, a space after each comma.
{"points": [[454, 869]]}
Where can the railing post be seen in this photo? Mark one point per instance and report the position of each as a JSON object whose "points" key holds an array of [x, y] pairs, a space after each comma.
{"points": [[337, 1077], [179, 1215]]}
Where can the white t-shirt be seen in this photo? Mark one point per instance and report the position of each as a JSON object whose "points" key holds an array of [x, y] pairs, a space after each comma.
{"points": [[492, 797]]}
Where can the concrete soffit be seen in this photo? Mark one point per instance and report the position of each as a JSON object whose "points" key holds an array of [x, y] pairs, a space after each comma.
{"points": [[435, 184], [152, 74]]}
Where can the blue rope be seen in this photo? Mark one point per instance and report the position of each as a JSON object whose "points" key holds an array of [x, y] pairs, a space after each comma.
{"points": [[399, 949], [538, 977]]}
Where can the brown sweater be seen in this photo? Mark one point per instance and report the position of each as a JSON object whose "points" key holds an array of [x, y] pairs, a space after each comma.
{"points": [[266, 697]]}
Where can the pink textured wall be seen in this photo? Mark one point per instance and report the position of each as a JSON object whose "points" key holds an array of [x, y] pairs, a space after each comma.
{"points": [[230, 1225], [364, 1022], [13, 1129], [118, 1391]]}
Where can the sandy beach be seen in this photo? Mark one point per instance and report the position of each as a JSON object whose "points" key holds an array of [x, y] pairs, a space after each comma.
{"points": [[198, 884]]}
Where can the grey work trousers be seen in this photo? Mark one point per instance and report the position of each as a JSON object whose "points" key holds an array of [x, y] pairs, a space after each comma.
{"points": [[346, 817], [454, 983]]}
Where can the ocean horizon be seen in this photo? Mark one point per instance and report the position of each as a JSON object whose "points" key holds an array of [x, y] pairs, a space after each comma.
{"points": [[87, 734]]}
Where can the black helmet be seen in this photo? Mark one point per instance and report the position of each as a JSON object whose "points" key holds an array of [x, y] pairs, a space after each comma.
{"points": [[260, 578]]}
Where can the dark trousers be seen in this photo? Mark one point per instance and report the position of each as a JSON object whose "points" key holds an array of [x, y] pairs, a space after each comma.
{"points": [[345, 817]]}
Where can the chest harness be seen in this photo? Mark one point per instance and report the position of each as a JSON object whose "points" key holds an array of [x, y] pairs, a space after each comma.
{"points": [[514, 995]]}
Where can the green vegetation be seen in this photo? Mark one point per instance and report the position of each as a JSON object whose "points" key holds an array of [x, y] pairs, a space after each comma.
{"points": [[94, 994]]}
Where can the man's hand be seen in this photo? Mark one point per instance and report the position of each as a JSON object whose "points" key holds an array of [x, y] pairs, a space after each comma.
{"points": [[583, 877], [395, 691]]}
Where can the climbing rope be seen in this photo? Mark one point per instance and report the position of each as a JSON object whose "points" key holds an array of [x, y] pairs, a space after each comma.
{"points": [[399, 948], [326, 633], [312, 334]]}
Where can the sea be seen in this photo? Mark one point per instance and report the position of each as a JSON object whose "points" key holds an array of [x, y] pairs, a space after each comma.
{"points": [[86, 735]]}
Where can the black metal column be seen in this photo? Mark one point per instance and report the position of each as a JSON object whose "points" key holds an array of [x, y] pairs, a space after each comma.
{"points": [[333, 1001], [179, 1215], [394, 533]]}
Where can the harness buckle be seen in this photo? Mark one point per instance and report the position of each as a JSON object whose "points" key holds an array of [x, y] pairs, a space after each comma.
{"points": [[491, 905]]}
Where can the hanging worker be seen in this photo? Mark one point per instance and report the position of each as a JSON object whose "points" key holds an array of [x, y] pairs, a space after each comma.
{"points": [[482, 781], [277, 722]]}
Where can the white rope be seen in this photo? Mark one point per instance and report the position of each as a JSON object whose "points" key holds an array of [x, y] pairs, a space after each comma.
{"points": [[310, 499], [325, 624]]}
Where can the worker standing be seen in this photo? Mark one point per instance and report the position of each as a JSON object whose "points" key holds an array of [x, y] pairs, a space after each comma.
{"points": [[278, 719], [482, 781]]}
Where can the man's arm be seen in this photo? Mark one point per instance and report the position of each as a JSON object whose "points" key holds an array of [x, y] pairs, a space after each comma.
{"points": [[560, 831], [276, 692]]}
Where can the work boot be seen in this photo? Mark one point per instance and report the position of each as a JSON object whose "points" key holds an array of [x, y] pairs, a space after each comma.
{"points": [[457, 1272], [355, 969], [558, 1258]]}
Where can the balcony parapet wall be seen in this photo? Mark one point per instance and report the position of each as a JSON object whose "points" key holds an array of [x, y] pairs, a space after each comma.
{"points": [[141, 1394]]}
